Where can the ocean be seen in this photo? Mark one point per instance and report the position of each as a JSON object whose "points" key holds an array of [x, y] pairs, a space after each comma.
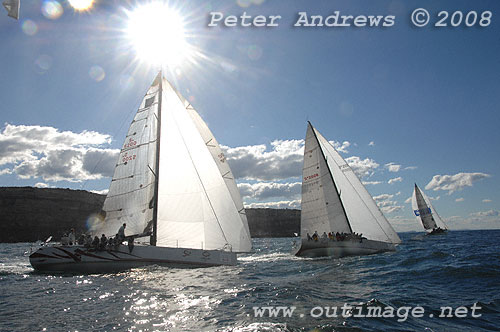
{"points": [[458, 271]]}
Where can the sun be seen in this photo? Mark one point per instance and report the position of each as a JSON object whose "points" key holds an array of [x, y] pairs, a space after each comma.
{"points": [[81, 5], [157, 34]]}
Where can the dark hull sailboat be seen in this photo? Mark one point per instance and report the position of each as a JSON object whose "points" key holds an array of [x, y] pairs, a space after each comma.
{"points": [[189, 204], [335, 201]]}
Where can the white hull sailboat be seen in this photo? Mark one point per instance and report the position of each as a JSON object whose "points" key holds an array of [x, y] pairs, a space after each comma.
{"points": [[173, 187], [339, 217], [426, 214]]}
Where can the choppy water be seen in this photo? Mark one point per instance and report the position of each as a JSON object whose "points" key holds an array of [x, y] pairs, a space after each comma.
{"points": [[456, 269]]}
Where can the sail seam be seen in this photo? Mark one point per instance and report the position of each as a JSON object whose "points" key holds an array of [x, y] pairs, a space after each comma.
{"points": [[132, 191]]}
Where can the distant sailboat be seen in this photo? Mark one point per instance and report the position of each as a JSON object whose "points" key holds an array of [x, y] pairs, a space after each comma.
{"points": [[425, 213], [335, 203], [171, 186]]}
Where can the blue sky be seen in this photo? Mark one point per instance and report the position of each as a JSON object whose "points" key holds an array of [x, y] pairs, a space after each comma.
{"points": [[403, 104]]}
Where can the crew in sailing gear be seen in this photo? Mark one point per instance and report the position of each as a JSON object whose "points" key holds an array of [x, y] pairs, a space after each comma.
{"points": [[121, 233], [72, 237]]}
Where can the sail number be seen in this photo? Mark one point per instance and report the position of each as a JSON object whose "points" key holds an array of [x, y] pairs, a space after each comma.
{"points": [[126, 157], [310, 177], [131, 143], [422, 212]]}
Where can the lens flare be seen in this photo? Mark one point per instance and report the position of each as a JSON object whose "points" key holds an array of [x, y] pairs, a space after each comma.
{"points": [[157, 34], [81, 5], [97, 73], [29, 27], [52, 9]]}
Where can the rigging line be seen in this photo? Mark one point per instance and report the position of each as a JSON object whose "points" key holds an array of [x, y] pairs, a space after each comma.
{"points": [[133, 110], [388, 237], [199, 177]]}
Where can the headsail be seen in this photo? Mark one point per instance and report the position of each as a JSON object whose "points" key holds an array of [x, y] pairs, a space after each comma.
{"points": [[424, 211], [196, 207], [361, 212], [226, 173]]}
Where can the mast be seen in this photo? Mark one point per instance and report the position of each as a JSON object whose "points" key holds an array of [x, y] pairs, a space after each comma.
{"points": [[157, 166], [331, 175]]}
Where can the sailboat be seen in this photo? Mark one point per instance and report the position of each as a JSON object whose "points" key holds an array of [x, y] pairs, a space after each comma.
{"points": [[172, 187], [426, 214], [339, 217]]}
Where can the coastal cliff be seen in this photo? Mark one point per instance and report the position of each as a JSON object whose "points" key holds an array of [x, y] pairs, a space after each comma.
{"points": [[29, 214]]}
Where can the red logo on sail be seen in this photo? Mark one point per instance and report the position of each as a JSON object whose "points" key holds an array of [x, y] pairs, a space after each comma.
{"points": [[131, 143], [310, 177]]}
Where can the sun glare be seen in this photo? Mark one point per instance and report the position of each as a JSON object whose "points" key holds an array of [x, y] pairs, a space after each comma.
{"points": [[157, 34], [81, 5]]}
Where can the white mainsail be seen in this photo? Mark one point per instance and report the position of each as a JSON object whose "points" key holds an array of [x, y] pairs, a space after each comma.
{"points": [[197, 207], [424, 211], [321, 208], [361, 214], [131, 192]]}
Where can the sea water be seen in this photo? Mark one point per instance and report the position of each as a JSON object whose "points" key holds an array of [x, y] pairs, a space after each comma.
{"points": [[460, 269]]}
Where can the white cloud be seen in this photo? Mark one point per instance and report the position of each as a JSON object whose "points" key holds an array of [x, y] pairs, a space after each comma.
{"points": [[489, 213], [362, 168], [394, 180], [5, 171], [477, 220], [254, 162], [341, 147], [366, 183], [100, 192], [456, 182], [392, 167], [266, 190], [411, 168], [382, 197], [387, 205], [294, 204], [41, 185], [46, 152], [372, 143], [486, 200], [408, 200], [460, 199]]}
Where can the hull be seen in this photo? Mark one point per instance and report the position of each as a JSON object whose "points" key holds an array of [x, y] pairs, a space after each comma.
{"points": [[78, 259], [436, 231], [337, 249]]}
